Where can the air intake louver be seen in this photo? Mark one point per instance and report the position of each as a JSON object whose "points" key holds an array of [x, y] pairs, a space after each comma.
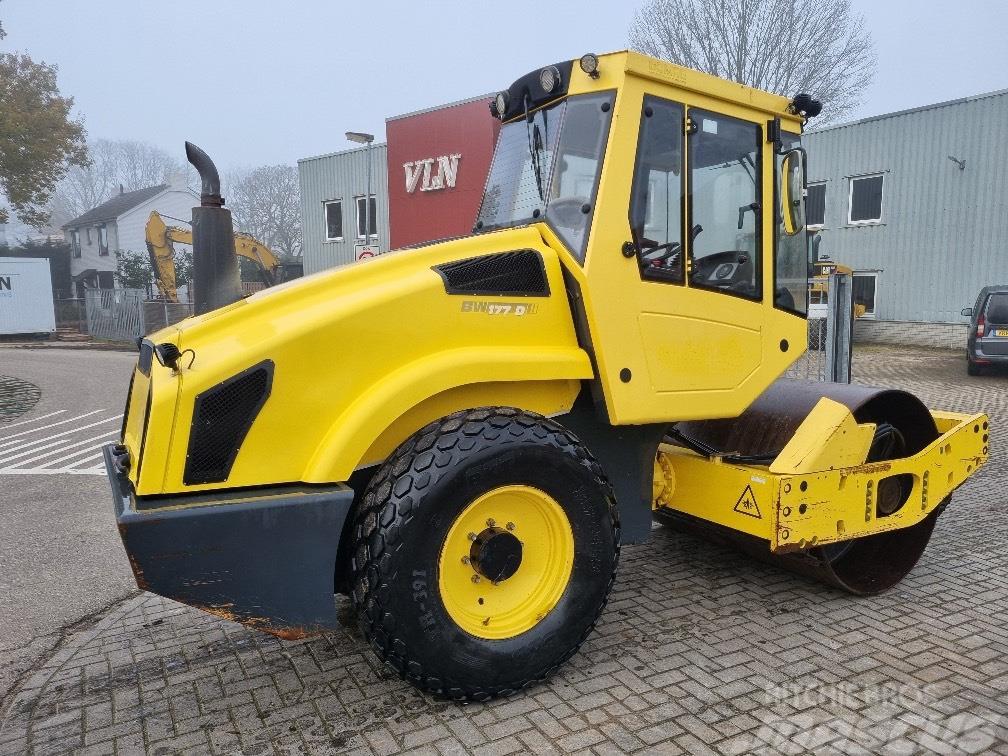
{"points": [[221, 419], [515, 274]]}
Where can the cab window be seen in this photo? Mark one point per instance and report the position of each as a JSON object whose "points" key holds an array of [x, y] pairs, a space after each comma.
{"points": [[576, 168], [656, 197], [724, 207]]}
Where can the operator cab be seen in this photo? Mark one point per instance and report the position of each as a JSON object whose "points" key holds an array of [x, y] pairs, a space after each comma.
{"points": [[681, 221]]}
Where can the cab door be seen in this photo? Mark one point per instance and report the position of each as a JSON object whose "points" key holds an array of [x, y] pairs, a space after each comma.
{"points": [[707, 337], [693, 333]]}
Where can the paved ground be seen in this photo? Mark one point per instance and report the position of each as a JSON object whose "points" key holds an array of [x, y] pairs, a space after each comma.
{"points": [[60, 555], [699, 650]]}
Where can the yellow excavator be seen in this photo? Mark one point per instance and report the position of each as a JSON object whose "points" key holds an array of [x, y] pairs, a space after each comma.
{"points": [[461, 435], [161, 239], [819, 288]]}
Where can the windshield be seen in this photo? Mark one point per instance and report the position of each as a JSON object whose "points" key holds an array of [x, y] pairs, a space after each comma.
{"points": [[548, 167]]}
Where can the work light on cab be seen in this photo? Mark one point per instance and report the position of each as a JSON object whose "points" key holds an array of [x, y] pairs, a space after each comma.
{"points": [[549, 77], [589, 64], [500, 104]]}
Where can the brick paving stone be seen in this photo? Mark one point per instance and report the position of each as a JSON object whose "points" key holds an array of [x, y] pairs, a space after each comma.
{"points": [[700, 650]]}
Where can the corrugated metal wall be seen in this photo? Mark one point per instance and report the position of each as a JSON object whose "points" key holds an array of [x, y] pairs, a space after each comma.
{"points": [[341, 175], [944, 231]]}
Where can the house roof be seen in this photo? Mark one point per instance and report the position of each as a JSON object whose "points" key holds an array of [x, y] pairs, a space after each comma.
{"points": [[374, 145], [116, 206]]}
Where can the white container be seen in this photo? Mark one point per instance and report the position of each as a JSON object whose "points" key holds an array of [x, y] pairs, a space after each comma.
{"points": [[26, 300]]}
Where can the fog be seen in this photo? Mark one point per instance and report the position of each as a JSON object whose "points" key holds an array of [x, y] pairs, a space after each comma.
{"points": [[260, 82]]}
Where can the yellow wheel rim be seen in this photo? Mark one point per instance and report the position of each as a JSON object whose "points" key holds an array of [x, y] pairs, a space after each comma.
{"points": [[518, 602]]}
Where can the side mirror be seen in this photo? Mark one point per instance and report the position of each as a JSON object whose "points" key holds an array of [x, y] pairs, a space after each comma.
{"points": [[967, 312], [792, 191]]}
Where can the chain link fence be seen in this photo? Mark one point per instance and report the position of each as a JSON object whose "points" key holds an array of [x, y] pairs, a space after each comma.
{"points": [[830, 334], [71, 315], [159, 314], [811, 366]]}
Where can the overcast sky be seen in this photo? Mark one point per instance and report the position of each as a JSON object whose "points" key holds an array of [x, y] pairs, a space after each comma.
{"points": [[256, 82]]}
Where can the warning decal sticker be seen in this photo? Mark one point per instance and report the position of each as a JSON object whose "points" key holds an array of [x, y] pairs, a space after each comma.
{"points": [[747, 505]]}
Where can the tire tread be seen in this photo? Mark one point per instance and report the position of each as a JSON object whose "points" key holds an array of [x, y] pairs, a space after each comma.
{"points": [[387, 507]]}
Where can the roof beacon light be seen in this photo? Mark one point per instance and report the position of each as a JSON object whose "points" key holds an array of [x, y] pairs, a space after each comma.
{"points": [[549, 78], [589, 64]]}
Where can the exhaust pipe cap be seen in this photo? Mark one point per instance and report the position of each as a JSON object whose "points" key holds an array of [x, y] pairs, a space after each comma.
{"points": [[210, 191]]}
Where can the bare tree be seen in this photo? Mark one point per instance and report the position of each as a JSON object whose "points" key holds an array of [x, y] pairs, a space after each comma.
{"points": [[124, 163], [266, 202], [782, 46]]}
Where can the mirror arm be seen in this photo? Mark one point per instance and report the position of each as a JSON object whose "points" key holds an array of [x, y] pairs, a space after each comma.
{"points": [[774, 135]]}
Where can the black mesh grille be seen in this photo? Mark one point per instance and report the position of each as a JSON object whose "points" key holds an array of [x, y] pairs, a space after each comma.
{"points": [[221, 419], [520, 273]]}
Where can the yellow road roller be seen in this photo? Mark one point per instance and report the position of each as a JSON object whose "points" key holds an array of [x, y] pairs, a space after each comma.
{"points": [[459, 436]]}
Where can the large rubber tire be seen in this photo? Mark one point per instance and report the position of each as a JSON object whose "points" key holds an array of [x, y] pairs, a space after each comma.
{"points": [[405, 517], [972, 368]]}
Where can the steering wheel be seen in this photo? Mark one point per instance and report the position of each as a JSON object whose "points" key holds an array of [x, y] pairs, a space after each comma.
{"points": [[567, 212], [649, 248]]}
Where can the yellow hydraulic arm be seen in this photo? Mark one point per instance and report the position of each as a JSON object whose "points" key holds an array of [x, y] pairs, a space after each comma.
{"points": [[161, 238]]}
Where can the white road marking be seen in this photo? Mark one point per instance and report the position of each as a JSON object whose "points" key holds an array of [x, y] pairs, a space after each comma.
{"points": [[55, 449], [89, 457], [51, 425], [35, 419], [60, 450], [31, 445], [5, 459]]}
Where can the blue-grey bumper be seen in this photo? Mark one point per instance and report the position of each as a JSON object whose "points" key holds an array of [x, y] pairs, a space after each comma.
{"points": [[265, 558]]}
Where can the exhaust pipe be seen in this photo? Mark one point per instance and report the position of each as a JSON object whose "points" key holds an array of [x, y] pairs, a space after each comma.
{"points": [[216, 276]]}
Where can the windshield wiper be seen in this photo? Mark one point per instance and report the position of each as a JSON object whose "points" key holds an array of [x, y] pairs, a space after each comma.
{"points": [[535, 141]]}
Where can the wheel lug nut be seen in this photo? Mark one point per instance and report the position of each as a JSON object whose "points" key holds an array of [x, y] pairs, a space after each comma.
{"points": [[472, 536], [510, 526], [475, 578], [490, 522], [465, 560]]}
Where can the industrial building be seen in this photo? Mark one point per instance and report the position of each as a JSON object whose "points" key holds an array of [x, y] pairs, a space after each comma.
{"points": [[333, 190], [426, 182], [916, 202]]}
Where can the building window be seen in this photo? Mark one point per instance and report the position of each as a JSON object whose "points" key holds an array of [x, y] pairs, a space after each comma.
{"points": [[334, 220], [864, 294], [88, 231], [815, 205], [372, 217], [865, 204], [103, 241], [75, 242]]}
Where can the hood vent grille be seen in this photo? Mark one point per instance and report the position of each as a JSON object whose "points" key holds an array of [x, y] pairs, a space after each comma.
{"points": [[222, 418], [515, 274]]}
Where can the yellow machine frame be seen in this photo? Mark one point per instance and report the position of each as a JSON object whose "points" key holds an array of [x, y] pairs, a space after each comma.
{"points": [[818, 490]]}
